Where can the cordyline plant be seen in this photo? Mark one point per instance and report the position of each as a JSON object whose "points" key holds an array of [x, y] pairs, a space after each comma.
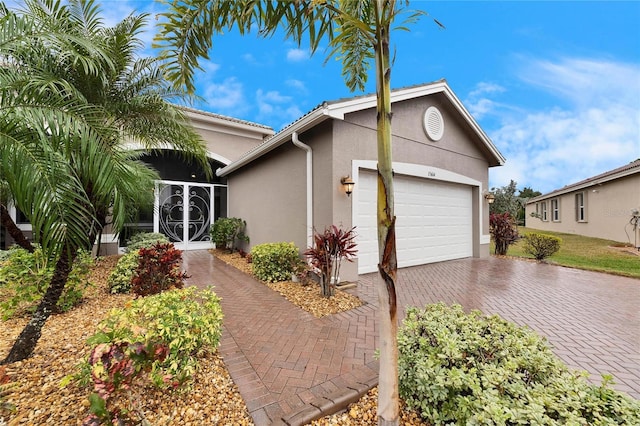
{"points": [[502, 227], [327, 253]]}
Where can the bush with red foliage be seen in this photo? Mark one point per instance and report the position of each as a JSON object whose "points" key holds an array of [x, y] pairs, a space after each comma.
{"points": [[504, 232], [158, 270], [327, 253]]}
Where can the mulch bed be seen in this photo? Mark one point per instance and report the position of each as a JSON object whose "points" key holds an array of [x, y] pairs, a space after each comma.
{"points": [[306, 297]]}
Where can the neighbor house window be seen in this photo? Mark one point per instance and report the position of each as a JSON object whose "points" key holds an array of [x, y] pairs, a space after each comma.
{"points": [[543, 211], [581, 207], [555, 210]]}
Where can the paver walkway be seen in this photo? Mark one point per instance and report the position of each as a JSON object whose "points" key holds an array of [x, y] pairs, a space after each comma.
{"points": [[291, 367]]}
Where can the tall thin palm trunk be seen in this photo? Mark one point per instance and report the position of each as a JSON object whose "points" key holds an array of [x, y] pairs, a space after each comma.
{"points": [[388, 407]]}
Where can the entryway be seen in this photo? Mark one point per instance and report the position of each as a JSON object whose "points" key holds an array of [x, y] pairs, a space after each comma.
{"points": [[184, 212]]}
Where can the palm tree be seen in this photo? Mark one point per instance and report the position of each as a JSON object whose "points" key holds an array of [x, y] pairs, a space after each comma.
{"points": [[358, 32], [122, 100]]}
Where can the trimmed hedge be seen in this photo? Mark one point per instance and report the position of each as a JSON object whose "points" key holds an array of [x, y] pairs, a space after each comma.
{"points": [[541, 246], [273, 262], [470, 369]]}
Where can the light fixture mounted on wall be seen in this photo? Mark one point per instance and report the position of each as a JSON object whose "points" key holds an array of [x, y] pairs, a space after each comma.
{"points": [[489, 197], [347, 184]]}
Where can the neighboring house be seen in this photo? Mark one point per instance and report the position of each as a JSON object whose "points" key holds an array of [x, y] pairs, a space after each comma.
{"points": [[291, 184], [603, 206], [288, 184]]}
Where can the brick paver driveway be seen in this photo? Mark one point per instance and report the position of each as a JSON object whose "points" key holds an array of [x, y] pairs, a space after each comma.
{"points": [[290, 366], [591, 319]]}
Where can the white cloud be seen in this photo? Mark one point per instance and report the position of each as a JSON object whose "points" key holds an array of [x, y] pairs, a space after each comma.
{"points": [[297, 55], [226, 97], [598, 131], [478, 104], [297, 85], [272, 105]]}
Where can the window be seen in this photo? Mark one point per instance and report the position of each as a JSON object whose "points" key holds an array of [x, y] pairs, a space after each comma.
{"points": [[555, 210], [543, 211], [581, 207]]}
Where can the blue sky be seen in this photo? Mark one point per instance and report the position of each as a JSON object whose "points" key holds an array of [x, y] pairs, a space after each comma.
{"points": [[555, 85]]}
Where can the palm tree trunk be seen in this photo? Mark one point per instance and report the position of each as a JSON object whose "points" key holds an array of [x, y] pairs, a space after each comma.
{"points": [[388, 400], [28, 338], [13, 230]]}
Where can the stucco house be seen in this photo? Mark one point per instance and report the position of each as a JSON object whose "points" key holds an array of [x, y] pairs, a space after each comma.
{"points": [[289, 183], [183, 187], [603, 206], [292, 183]]}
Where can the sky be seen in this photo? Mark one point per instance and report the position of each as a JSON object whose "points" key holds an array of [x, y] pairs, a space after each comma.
{"points": [[555, 85]]}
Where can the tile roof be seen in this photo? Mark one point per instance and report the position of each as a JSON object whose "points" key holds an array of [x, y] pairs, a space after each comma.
{"points": [[628, 169]]}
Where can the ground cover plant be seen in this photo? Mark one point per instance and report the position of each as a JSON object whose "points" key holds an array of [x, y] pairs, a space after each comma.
{"points": [[458, 368], [210, 396], [157, 339], [25, 277], [588, 253]]}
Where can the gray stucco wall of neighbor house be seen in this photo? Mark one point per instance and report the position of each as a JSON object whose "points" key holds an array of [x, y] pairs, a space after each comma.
{"points": [[608, 211]]}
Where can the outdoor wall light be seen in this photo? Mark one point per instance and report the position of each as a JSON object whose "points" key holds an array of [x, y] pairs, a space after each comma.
{"points": [[347, 183], [489, 197]]}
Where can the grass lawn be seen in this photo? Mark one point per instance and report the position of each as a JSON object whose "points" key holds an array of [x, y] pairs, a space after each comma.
{"points": [[577, 251]]}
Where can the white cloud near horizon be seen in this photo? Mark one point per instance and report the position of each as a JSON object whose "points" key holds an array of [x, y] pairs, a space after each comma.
{"points": [[596, 130]]}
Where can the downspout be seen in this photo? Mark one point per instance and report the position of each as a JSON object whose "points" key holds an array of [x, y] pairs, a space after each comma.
{"points": [[307, 148]]}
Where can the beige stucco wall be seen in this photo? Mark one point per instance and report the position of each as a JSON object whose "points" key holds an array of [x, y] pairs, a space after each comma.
{"points": [[336, 145], [227, 141], [608, 211]]}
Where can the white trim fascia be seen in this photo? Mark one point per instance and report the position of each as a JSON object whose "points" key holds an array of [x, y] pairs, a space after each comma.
{"points": [[580, 187], [421, 171], [315, 117], [339, 109]]}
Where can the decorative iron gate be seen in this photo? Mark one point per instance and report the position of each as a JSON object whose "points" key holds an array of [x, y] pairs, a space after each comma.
{"points": [[184, 212]]}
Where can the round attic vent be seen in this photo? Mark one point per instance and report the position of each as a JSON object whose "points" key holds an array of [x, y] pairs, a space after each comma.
{"points": [[433, 123]]}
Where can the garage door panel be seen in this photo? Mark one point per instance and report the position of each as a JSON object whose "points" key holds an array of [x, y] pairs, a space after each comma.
{"points": [[433, 221]]}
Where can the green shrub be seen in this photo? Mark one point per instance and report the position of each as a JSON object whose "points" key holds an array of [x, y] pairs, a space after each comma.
{"points": [[226, 230], [541, 246], [273, 262], [471, 369], [158, 270], [156, 339], [120, 277], [145, 239], [25, 277]]}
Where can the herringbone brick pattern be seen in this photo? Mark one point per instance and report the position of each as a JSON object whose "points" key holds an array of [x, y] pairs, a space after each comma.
{"points": [[291, 367]]}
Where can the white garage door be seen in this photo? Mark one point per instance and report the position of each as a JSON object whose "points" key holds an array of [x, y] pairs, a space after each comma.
{"points": [[433, 221]]}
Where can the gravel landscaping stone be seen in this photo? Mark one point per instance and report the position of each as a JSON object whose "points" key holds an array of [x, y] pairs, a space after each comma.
{"points": [[212, 398]]}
